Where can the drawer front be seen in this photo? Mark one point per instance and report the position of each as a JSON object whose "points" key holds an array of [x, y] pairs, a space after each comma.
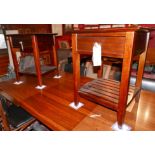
{"points": [[111, 46], [26, 40], [44, 42]]}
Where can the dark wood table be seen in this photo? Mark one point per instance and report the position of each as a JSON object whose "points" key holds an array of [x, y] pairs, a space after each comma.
{"points": [[50, 105], [33, 43]]}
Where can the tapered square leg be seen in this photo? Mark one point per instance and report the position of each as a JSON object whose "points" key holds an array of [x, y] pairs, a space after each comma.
{"points": [[125, 127], [40, 87], [76, 107]]}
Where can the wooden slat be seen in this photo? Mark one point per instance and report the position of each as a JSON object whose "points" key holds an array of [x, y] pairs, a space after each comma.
{"points": [[103, 95], [103, 91], [105, 88], [107, 83], [115, 84], [98, 100]]}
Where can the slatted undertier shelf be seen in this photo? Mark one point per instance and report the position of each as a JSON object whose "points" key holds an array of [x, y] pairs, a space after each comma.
{"points": [[44, 69], [105, 92]]}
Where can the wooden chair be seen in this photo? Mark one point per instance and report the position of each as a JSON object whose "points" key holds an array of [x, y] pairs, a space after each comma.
{"points": [[14, 117]]}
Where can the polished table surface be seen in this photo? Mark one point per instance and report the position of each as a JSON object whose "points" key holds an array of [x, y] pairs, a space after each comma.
{"points": [[51, 105]]}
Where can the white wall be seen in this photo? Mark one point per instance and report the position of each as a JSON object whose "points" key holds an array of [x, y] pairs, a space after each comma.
{"points": [[57, 28], [10, 55]]}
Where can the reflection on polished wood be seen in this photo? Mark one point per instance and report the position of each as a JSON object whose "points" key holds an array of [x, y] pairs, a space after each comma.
{"points": [[51, 105]]}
